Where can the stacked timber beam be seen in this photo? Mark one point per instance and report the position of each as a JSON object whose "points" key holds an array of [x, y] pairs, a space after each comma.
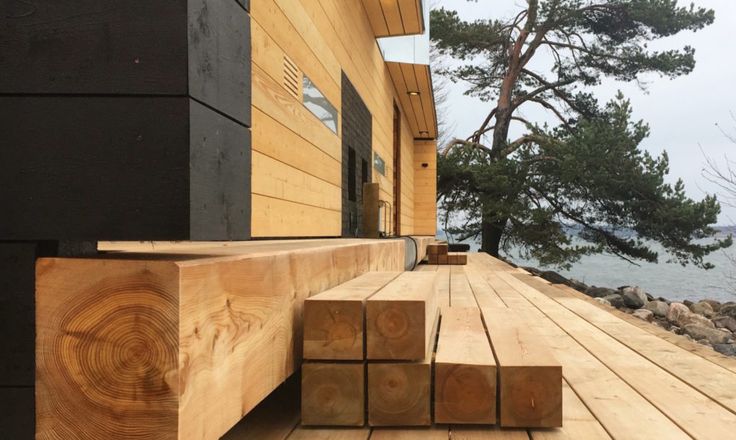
{"points": [[354, 336], [431, 346], [438, 253]]}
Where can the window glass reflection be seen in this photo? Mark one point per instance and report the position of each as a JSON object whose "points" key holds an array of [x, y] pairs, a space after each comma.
{"points": [[320, 107]]}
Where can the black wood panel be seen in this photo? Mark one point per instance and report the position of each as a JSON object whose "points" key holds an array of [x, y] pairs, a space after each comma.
{"points": [[17, 314], [93, 46], [199, 48], [219, 56], [17, 413], [115, 168], [357, 137], [220, 171]]}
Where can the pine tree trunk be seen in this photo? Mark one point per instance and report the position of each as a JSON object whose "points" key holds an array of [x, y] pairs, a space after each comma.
{"points": [[492, 232]]}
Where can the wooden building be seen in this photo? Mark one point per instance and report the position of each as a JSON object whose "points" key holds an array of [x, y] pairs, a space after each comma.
{"points": [[200, 120]]}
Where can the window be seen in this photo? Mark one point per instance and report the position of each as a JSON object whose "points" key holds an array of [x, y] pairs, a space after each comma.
{"points": [[320, 107], [364, 175], [379, 164], [351, 175]]}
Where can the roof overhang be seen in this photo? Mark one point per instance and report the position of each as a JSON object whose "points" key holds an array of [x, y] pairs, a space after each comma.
{"points": [[390, 18], [413, 83]]}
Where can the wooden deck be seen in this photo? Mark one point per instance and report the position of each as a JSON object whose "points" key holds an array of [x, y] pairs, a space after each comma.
{"points": [[623, 378]]}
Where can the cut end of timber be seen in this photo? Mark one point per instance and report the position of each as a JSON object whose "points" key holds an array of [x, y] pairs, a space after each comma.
{"points": [[465, 394], [399, 394], [333, 394], [533, 397]]}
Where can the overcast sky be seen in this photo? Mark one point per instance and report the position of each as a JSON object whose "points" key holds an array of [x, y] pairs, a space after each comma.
{"points": [[682, 113]]}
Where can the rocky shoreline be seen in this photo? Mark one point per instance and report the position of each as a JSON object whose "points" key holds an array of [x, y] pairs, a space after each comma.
{"points": [[708, 322]]}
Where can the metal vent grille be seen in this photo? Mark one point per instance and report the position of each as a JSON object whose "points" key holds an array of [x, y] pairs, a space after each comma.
{"points": [[292, 78]]}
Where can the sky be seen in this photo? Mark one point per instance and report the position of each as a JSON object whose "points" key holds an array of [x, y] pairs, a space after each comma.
{"points": [[682, 113]]}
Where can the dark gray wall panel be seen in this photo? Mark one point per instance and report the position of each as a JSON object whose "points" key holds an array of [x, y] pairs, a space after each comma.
{"points": [[17, 314], [357, 134], [219, 56], [93, 46], [94, 168], [117, 168], [199, 48], [220, 158]]}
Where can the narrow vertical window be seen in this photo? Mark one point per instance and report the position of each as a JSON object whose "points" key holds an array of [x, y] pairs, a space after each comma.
{"points": [[351, 175], [363, 174]]}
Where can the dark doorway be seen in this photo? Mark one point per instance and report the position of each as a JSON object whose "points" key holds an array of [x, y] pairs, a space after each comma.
{"points": [[357, 138], [397, 170]]}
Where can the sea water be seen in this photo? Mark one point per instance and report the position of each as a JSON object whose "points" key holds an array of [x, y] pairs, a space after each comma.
{"points": [[668, 280]]}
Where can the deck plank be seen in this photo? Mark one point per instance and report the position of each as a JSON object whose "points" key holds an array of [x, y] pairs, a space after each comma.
{"points": [[461, 295], [693, 347], [433, 433], [712, 380], [577, 421], [487, 433], [694, 412], [302, 433]]}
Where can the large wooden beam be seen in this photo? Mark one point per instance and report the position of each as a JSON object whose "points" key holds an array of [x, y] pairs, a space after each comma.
{"points": [[530, 378], [333, 320], [465, 370], [174, 347], [400, 318]]}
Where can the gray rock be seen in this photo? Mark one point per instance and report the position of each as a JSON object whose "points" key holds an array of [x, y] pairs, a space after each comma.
{"points": [[702, 308], [677, 313], [688, 303], [700, 320], [644, 314], [711, 335], [727, 349], [725, 322], [728, 309], [615, 300], [634, 297], [600, 292], [649, 297], [578, 285], [554, 277], [659, 308], [715, 305], [603, 301]]}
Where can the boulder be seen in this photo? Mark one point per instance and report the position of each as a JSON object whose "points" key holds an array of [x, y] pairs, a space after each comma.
{"points": [[725, 322], [713, 336], [702, 308], [554, 277], [659, 308], [688, 303], [615, 300], [677, 312], [578, 285], [603, 301], [644, 314], [600, 292], [634, 297], [715, 305], [728, 309], [700, 320], [727, 349]]}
